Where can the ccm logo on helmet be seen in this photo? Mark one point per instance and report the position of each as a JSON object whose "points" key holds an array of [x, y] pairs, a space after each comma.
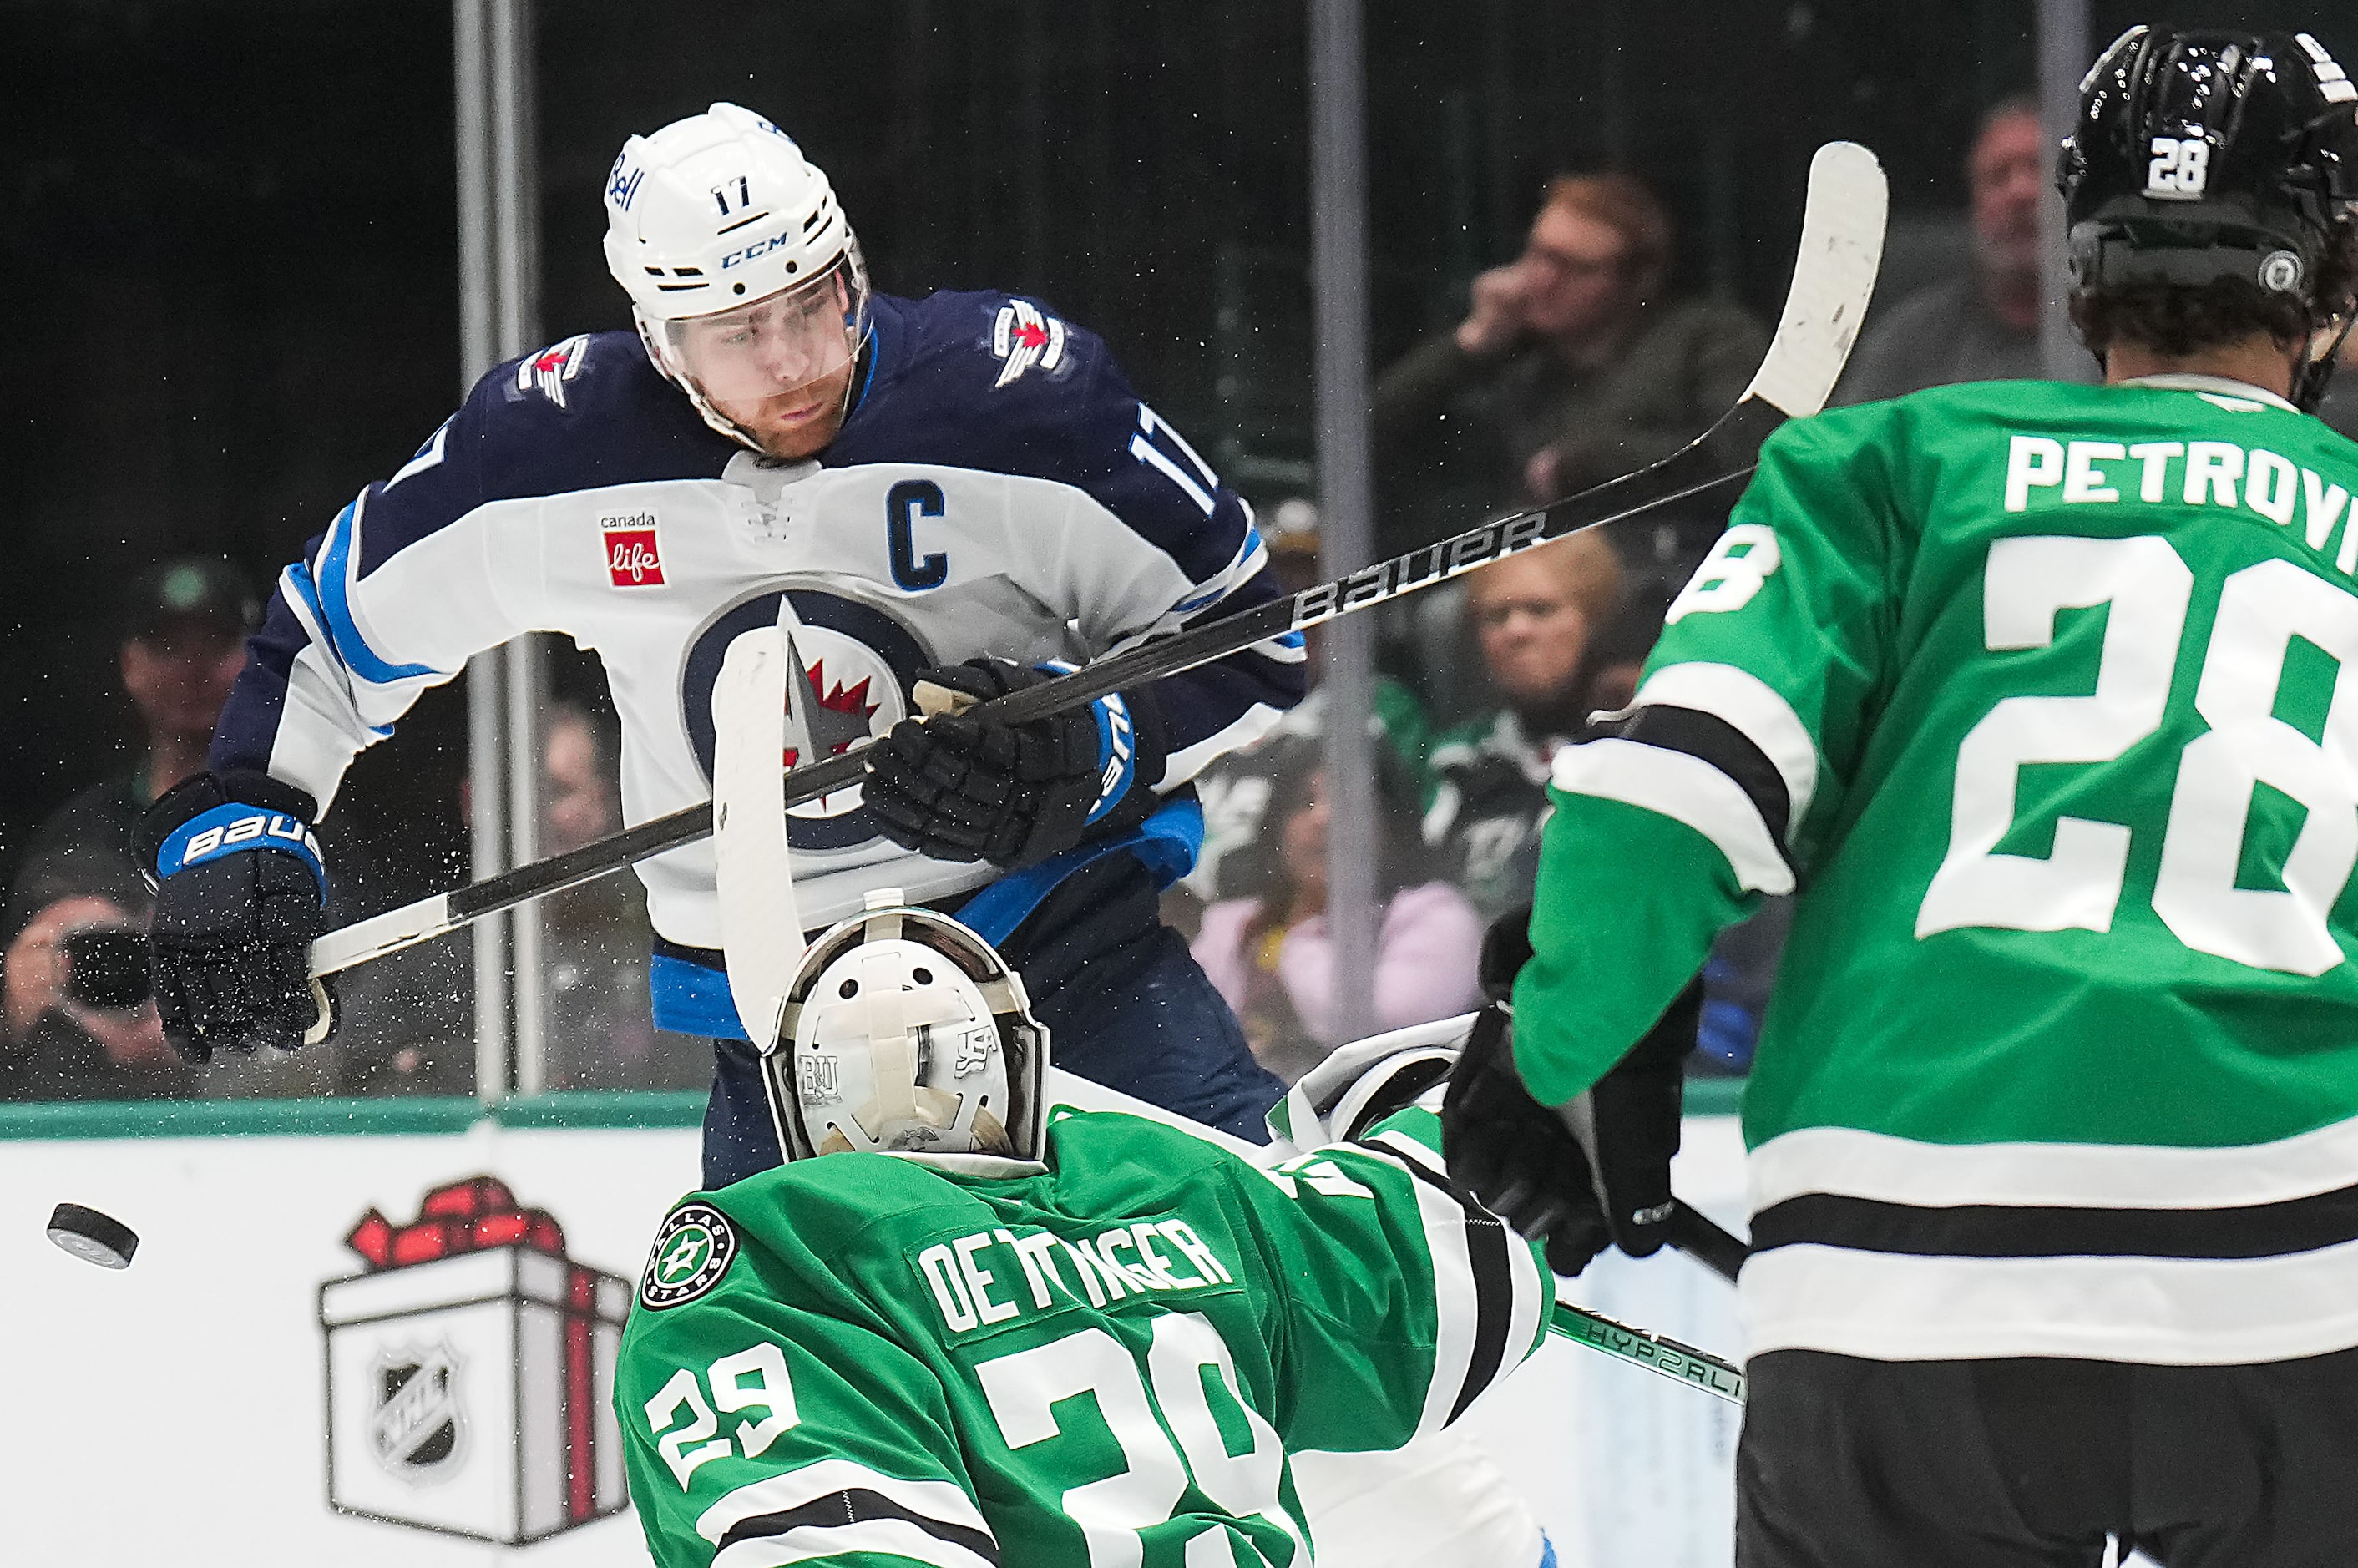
{"points": [[245, 830], [758, 248]]}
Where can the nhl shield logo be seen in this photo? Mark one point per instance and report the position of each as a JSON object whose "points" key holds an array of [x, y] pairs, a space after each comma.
{"points": [[418, 1429]]}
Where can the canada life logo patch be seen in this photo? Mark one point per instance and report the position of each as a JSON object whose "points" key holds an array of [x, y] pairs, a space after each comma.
{"points": [[634, 557]]}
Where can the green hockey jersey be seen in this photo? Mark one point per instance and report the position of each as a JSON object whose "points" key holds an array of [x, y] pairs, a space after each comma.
{"points": [[2046, 697], [864, 1360]]}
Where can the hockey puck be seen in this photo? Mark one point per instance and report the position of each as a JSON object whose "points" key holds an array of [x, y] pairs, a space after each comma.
{"points": [[92, 1237]]}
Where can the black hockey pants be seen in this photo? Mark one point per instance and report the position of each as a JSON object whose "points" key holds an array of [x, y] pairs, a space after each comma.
{"points": [[2032, 1462]]}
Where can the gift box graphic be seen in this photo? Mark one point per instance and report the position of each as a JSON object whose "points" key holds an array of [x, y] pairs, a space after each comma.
{"points": [[471, 1372]]}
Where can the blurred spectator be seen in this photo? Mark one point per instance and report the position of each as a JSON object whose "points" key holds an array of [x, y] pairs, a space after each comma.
{"points": [[1236, 789], [1535, 615], [1983, 323], [599, 1028], [1271, 954], [2340, 408], [79, 1019], [1569, 368]]}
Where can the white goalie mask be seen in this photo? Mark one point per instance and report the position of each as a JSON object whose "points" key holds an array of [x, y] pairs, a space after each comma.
{"points": [[904, 1033], [744, 279]]}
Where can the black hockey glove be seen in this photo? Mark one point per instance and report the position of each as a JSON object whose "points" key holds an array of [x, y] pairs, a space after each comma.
{"points": [[241, 893], [1581, 1176], [960, 786]]}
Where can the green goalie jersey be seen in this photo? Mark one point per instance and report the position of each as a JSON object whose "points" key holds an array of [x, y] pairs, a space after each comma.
{"points": [[860, 1359], [2045, 699]]}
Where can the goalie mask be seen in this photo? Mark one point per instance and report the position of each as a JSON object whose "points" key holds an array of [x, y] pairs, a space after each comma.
{"points": [[904, 1033]]}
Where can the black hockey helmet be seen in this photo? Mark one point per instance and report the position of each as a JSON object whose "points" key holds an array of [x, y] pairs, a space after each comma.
{"points": [[2208, 155]]}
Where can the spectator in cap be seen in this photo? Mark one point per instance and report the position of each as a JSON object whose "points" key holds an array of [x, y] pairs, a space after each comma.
{"points": [[78, 1021]]}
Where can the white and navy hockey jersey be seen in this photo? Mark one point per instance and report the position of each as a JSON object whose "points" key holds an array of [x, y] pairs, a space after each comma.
{"points": [[997, 489]]}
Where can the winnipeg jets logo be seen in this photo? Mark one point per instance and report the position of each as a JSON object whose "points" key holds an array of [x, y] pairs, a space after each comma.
{"points": [[1024, 338], [547, 370], [849, 669], [823, 720]]}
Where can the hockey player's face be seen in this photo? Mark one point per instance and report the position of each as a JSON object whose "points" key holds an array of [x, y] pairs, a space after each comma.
{"points": [[779, 367]]}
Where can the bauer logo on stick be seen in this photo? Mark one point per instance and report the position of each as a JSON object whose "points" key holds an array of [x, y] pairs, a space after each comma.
{"points": [[691, 1253]]}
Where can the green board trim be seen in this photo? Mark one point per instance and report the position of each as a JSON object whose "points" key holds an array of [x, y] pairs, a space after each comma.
{"points": [[605, 1108], [583, 1108], [1714, 1097], [237, 1118], [345, 1117]]}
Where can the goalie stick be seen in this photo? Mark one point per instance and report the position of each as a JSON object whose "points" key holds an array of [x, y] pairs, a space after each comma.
{"points": [[761, 923], [1833, 274]]}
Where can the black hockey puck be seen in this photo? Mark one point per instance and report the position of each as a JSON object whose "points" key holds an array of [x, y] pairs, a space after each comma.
{"points": [[92, 1237]]}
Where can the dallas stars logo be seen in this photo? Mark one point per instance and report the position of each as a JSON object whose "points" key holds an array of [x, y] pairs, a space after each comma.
{"points": [[691, 1253]]}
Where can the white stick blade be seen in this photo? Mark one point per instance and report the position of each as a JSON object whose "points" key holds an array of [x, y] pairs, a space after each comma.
{"points": [[761, 926], [1833, 277]]}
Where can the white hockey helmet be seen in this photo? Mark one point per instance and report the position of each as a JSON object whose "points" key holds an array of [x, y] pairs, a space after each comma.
{"points": [[904, 1033], [744, 277]]}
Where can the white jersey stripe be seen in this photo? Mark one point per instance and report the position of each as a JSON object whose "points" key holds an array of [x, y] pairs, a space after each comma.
{"points": [[1530, 1291], [1753, 707], [1887, 1168], [2171, 1311], [942, 1500], [1685, 788]]}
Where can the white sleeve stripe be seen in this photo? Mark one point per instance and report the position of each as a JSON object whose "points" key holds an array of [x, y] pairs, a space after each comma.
{"points": [[897, 1537], [1410, 1149], [1754, 708], [943, 1500], [1456, 1306], [1504, 1332], [1686, 789]]}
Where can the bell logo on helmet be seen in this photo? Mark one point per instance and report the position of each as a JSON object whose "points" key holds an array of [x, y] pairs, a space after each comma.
{"points": [[622, 182]]}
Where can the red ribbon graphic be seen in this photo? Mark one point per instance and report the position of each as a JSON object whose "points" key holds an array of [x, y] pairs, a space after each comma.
{"points": [[464, 1217]]}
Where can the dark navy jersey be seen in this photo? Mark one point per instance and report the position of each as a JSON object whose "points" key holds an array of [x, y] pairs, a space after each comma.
{"points": [[997, 489]]}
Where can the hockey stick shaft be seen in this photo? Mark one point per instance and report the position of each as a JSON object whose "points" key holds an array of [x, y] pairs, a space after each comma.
{"points": [[1664, 1356], [1418, 570], [1702, 1239], [1833, 275]]}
